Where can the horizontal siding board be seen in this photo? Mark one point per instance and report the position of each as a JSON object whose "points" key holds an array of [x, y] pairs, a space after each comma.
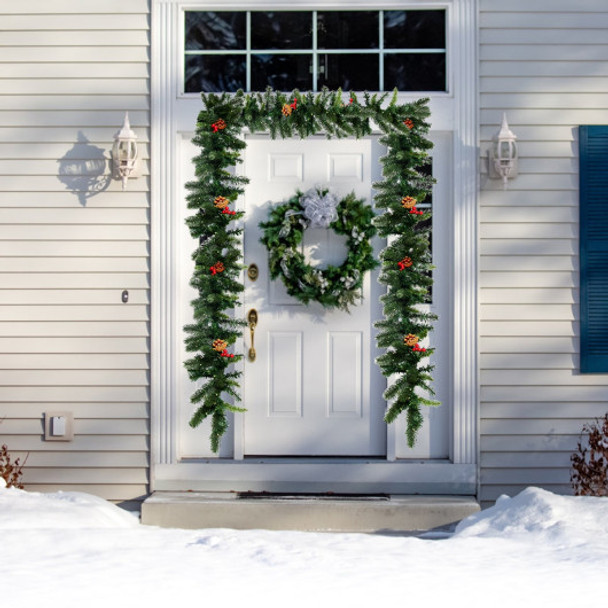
{"points": [[528, 246], [529, 312], [69, 7], [544, 393], [62, 329], [529, 214], [531, 477], [107, 426], [63, 475], [504, 230], [528, 345], [73, 345], [528, 460], [58, 200], [53, 151], [512, 88], [532, 361], [544, 116], [537, 36], [72, 377], [74, 280], [46, 100], [113, 410], [526, 182], [100, 232], [529, 296], [84, 54], [71, 69], [70, 394], [89, 248], [552, 8], [115, 312], [547, 52], [81, 119], [86, 88], [525, 263], [107, 264], [74, 38], [81, 443], [531, 328], [552, 198], [531, 426], [523, 377], [531, 132], [514, 101], [582, 411], [83, 460], [68, 134], [543, 69], [71, 296], [99, 21], [573, 16], [72, 184], [125, 217], [529, 443], [528, 279]]}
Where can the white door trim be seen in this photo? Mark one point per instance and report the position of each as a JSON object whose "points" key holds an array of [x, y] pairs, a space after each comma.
{"points": [[456, 112]]}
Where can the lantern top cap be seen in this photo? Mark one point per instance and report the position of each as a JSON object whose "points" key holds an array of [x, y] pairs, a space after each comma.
{"points": [[505, 133], [126, 133]]}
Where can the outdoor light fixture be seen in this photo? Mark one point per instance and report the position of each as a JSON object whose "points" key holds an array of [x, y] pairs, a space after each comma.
{"points": [[124, 153], [502, 155]]}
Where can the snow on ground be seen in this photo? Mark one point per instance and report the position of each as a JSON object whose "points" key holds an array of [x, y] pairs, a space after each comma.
{"points": [[74, 550]]}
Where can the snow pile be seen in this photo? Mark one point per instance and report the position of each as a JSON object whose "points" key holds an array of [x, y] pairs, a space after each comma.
{"points": [[2, 483], [68, 550], [21, 510], [538, 512]]}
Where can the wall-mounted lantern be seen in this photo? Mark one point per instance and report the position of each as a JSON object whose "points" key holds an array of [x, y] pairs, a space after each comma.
{"points": [[502, 155], [124, 153]]}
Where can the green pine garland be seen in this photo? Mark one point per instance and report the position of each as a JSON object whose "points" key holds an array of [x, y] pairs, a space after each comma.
{"points": [[218, 261], [336, 286]]}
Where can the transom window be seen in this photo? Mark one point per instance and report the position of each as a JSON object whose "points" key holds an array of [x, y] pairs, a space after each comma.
{"points": [[307, 50]]}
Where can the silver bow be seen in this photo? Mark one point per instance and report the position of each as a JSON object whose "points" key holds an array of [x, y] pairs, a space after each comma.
{"points": [[319, 208]]}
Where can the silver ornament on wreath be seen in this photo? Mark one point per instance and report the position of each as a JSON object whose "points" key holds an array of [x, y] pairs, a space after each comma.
{"points": [[319, 207]]}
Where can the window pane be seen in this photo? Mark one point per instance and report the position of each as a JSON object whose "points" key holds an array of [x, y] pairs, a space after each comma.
{"points": [[213, 73], [358, 71], [281, 30], [207, 30], [414, 71], [347, 30], [281, 72], [414, 29]]}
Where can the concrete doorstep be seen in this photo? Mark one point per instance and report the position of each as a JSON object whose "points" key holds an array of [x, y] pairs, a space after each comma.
{"points": [[326, 513]]}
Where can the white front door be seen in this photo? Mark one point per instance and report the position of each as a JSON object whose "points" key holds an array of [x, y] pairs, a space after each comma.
{"points": [[313, 389]]}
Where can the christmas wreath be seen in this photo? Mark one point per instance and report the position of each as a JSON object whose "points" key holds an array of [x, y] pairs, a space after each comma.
{"points": [[334, 286]]}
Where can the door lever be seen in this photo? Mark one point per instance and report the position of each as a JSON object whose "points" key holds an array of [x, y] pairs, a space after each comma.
{"points": [[252, 320]]}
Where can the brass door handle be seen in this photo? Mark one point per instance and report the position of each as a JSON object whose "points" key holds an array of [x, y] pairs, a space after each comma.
{"points": [[252, 320]]}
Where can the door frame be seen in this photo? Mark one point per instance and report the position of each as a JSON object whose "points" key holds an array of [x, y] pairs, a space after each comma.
{"points": [[172, 119]]}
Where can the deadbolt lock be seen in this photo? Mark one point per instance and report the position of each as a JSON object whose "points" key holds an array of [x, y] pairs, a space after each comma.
{"points": [[253, 272]]}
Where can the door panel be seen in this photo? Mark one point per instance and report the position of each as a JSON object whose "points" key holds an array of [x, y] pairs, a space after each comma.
{"points": [[309, 391]]}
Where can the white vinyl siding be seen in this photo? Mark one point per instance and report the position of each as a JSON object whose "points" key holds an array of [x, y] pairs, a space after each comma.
{"points": [[71, 241], [545, 65]]}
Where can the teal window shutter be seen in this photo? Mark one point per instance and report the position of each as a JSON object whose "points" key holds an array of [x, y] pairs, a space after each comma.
{"points": [[593, 142]]}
